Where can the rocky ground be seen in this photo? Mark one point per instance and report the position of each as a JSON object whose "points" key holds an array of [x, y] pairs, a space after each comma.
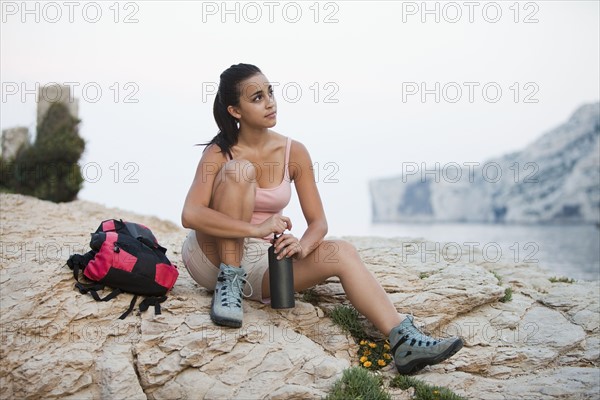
{"points": [[57, 343]]}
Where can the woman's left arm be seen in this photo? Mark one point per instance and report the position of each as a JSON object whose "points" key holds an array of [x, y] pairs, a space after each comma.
{"points": [[301, 172]]}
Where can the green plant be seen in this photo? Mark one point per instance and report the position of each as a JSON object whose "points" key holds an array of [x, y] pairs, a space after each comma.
{"points": [[373, 354], [48, 169], [424, 391], [497, 276], [347, 318], [358, 383], [423, 275], [310, 296], [507, 295], [5, 174], [562, 279]]}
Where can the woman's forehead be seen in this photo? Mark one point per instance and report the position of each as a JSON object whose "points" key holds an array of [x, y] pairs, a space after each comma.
{"points": [[256, 83]]}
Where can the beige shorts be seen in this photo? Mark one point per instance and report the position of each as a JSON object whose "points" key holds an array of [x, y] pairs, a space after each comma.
{"points": [[255, 261]]}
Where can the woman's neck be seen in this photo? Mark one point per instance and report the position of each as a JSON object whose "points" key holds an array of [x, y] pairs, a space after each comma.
{"points": [[255, 138]]}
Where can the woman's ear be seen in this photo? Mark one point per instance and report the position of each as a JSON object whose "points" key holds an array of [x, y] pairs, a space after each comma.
{"points": [[234, 112]]}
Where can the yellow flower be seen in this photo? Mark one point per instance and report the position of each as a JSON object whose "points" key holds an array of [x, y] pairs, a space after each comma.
{"points": [[381, 363], [367, 364], [363, 342], [386, 346], [436, 392], [367, 352], [387, 356], [372, 345], [363, 359]]}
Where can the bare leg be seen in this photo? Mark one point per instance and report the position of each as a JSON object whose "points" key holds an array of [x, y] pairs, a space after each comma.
{"points": [[340, 258], [233, 194], [412, 350]]}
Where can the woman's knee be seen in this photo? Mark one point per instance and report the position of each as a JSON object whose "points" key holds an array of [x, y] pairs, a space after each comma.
{"points": [[237, 174], [239, 171], [336, 253]]}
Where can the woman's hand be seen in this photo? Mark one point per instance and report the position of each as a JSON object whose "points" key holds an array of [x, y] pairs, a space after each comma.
{"points": [[274, 224], [288, 245]]}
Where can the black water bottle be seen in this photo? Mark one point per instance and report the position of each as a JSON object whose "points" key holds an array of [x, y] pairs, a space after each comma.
{"points": [[281, 280]]}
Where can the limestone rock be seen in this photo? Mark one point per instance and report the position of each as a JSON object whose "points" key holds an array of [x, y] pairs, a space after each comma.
{"points": [[57, 343], [13, 139]]}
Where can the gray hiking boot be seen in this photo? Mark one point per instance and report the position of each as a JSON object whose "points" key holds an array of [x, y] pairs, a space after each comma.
{"points": [[226, 308], [413, 350]]}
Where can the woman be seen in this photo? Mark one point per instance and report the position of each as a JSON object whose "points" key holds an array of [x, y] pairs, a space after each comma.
{"points": [[234, 207]]}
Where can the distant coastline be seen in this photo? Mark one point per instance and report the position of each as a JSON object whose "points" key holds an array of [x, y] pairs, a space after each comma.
{"points": [[571, 250], [555, 179]]}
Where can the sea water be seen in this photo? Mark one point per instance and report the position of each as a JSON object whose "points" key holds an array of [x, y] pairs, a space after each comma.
{"points": [[571, 251]]}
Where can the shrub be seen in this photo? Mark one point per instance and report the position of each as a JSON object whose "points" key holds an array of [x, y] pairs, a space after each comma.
{"points": [[562, 279], [358, 383], [48, 169], [347, 318], [507, 295], [310, 296], [424, 391]]}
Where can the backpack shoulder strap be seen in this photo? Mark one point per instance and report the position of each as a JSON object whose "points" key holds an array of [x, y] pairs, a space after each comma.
{"points": [[130, 309], [145, 304], [152, 301], [93, 289]]}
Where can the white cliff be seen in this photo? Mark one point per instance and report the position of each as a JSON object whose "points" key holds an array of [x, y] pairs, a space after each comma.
{"points": [[554, 179]]}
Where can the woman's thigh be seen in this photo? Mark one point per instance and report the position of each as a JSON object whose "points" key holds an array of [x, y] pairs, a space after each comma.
{"points": [[200, 267], [329, 259]]}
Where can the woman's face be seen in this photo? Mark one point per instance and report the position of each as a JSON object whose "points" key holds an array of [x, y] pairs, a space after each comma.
{"points": [[257, 108]]}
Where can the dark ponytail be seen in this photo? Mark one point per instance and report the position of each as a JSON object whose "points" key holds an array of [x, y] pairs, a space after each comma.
{"points": [[229, 95]]}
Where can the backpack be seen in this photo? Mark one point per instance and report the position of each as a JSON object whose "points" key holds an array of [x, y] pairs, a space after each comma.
{"points": [[126, 257]]}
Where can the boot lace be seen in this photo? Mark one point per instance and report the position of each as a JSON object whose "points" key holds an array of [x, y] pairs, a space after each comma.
{"points": [[415, 336], [233, 288]]}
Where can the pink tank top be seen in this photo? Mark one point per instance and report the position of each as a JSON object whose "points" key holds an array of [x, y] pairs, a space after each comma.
{"points": [[273, 200], [269, 201]]}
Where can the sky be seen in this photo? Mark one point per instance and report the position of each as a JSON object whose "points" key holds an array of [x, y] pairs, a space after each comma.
{"points": [[367, 87]]}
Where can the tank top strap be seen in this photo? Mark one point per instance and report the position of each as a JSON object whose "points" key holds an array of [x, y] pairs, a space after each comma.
{"points": [[288, 146]]}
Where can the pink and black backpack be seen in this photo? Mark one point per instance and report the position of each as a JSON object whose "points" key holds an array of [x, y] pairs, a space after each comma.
{"points": [[126, 257]]}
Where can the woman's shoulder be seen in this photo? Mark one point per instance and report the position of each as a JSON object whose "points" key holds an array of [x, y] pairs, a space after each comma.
{"points": [[298, 148], [213, 152], [298, 152]]}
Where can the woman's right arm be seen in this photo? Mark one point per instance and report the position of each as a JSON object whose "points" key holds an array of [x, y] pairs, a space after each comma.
{"points": [[196, 213], [199, 216]]}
